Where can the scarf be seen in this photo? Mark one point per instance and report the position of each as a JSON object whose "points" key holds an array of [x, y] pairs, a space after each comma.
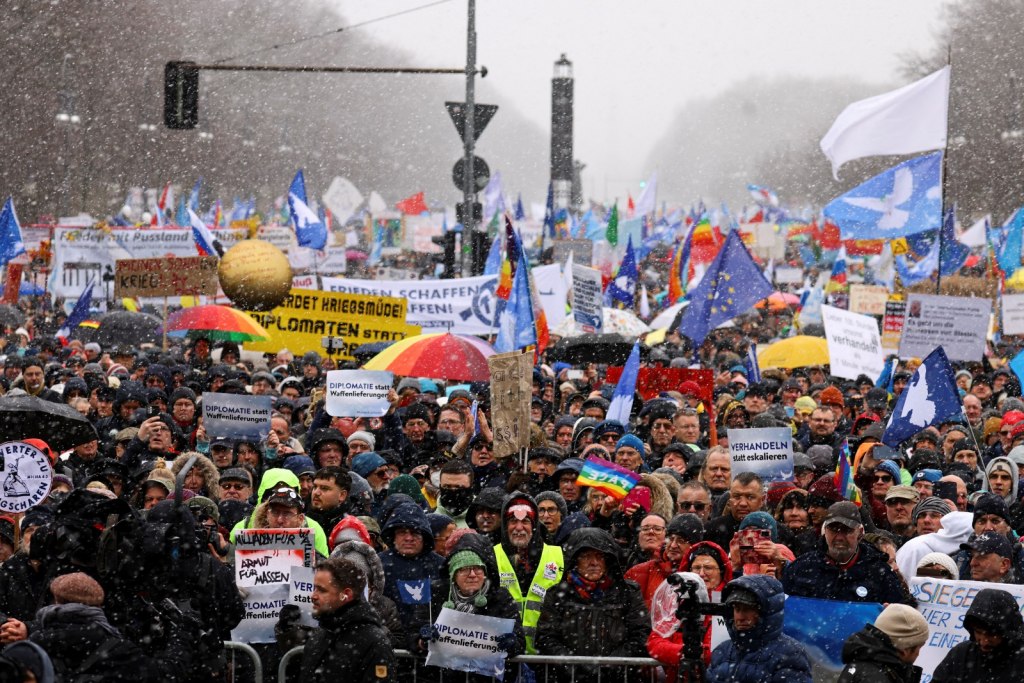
{"points": [[590, 591], [469, 603]]}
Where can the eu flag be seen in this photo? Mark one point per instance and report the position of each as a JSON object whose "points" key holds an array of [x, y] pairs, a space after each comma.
{"points": [[952, 255], [11, 244], [732, 284]]}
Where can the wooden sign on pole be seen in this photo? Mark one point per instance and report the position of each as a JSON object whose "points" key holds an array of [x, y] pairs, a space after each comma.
{"points": [[195, 276], [511, 393]]}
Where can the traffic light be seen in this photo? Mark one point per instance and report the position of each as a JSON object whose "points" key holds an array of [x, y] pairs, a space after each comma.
{"points": [[461, 214], [447, 257], [181, 95]]}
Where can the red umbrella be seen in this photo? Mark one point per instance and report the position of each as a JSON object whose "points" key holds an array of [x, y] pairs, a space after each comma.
{"points": [[437, 356]]}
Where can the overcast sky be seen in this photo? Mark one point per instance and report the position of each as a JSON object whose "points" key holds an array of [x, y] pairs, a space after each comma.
{"points": [[637, 62]]}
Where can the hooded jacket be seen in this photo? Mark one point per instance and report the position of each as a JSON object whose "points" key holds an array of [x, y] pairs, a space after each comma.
{"points": [[258, 519], [1006, 462], [612, 624], [684, 566], [763, 654], [384, 606], [868, 579], [491, 498], [350, 645], [957, 527], [997, 611], [870, 657]]}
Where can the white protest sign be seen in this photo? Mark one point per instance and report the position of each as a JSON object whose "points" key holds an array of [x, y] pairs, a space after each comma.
{"points": [[765, 451], [300, 592], [358, 393], [553, 292], [944, 604], [959, 324], [468, 643], [1013, 313], [586, 298], [342, 198], [26, 476], [854, 345], [237, 416], [263, 564], [787, 275]]}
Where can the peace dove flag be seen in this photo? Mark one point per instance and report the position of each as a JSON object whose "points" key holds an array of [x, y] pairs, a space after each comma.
{"points": [[929, 398], [904, 121]]}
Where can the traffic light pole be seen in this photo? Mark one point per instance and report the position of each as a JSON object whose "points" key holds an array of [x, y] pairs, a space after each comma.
{"points": [[469, 139]]}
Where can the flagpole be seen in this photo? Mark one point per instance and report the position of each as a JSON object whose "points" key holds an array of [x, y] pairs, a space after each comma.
{"points": [[945, 157]]}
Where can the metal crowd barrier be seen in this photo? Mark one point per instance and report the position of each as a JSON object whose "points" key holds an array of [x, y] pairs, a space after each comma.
{"points": [[627, 664], [257, 665]]}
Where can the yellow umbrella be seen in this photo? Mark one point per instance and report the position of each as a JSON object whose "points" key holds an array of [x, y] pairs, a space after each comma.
{"points": [[794, 352]]}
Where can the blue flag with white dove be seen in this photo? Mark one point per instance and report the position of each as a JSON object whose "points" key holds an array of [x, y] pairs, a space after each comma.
{"points": [[623, 287], [414, 591], [732, 284], [903, 200], [1009, 249], [929, 398], [310, 231], [493, 264], [11, 244], [622, 399], [952, 255]]}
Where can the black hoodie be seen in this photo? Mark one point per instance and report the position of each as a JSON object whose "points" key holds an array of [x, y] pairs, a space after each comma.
{"points": [[996, 611], [870, 657]]}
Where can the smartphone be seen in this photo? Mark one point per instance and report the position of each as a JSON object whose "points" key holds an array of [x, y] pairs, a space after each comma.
{"points": [[574, 374], [154, 411], [765, 534], [945, 490]]}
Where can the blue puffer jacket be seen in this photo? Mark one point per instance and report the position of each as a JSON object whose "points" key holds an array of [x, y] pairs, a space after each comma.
{"points": [[763, 654]]}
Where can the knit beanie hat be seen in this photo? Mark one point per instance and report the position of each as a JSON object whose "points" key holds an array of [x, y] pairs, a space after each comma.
{"points": [[364, 436], [904, 625], [761, 520], [943, 560], [461, 559], [890, 467], [931, 504], [556, 499], [991, 504], [632, 441]]}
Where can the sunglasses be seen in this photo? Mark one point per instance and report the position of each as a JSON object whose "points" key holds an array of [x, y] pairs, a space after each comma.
{"points": [[233, 486], [883, 478], [699, 507]]}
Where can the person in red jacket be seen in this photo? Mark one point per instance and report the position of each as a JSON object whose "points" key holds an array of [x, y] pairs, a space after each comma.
{"points": [[709, 561], [680, 535]]}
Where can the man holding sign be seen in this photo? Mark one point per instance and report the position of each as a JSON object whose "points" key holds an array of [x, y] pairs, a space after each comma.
{"points": [[351, 644]]}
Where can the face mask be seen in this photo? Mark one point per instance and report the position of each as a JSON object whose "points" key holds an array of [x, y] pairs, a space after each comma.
{"points": [[456, 501]]}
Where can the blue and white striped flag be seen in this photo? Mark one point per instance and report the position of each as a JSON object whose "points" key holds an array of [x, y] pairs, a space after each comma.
{"points": [[753, 369]]}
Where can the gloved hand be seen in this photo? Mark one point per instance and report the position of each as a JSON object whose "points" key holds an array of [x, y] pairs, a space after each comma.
{"points": [[429, 633], [506, 642]]}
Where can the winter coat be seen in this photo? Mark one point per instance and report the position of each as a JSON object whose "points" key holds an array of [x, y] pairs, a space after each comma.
{"points": [[22, 588], [957, 528], [996, 610], [763, 654], [1012, 498], [649, 575], [615, 624], [869, 657], [351, 645], [258, 519], [868, 579], [384, 606], [211, 476]]}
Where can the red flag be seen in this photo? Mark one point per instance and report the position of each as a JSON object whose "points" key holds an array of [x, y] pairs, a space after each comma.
{"points": [[630, 206], [413, 205]]}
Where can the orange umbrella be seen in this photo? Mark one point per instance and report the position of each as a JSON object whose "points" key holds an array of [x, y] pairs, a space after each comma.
{"points": [[778, 301]]}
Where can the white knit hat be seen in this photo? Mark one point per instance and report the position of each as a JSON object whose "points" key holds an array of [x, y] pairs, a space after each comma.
{"points": [[943, 560]]}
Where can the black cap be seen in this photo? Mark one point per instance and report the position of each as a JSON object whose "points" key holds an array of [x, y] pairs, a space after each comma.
{"points": [[686, 525], [236, 474], [989, 542], [845, 513], [285, 496]]}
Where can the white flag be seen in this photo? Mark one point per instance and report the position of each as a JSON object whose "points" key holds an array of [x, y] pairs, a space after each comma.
{"points": [[904, 121], [645, 305], [376, 204], [977, 234], [645, 203]]}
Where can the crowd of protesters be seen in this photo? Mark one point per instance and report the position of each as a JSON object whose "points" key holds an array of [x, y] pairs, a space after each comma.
{"points": [[121, 574]]}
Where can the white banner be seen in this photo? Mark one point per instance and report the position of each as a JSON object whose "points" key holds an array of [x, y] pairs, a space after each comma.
{"points": [[959, 324], [358, 393], [766, 451], [553, 292], [1013, 314], [300, 593], [263, 564], [854, 345], [237, 416], [467, 643], [587, 308], [342, 198]]}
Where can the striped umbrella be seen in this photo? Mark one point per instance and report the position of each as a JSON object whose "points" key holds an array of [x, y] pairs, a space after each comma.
{"points": [[436, 356], [214, 322]]}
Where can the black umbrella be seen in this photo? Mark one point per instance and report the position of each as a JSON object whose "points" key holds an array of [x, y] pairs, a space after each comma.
{"points": [[365, 352], [607, 349], [128, 327], [11, 315], [58, 424]]}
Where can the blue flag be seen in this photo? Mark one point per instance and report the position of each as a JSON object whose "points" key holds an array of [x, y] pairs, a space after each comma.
{"points": [[414, 591], [1009, 255], [1017, 365], [549, 212], [623, 287], [79, 314], [904, 200], [310, 231], [888, 376], [516, 326], [953, 255], [11, 243], [622, 399], [378, 244], [732, 284], [493, 264], [929, 398], [751, 364], [193, 198], [520, 214], [912, 272]]}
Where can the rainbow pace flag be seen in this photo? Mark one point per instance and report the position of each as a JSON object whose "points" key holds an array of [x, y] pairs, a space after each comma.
{"points": [[507, 273], [844, 476], [607, 477]]}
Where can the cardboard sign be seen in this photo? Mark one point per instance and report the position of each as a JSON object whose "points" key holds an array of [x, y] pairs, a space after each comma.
{"points": [[468, 643], [358, 393], [193, 276], [854, 346], [956, 323], [892, 325], [264, 559], [307, 316], [766, 451], [237, 416], [587, 309], [869, 299], [1013, 313], [511, 392]]}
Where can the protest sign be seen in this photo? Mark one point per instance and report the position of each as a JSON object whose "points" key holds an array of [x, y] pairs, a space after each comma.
{"points": [[944, 604], [787, 275], [582, 251], [26, 476], [468, 642], [511, 392], [1013, 313], [235, 416], [300, 593], [892, 325], [869, 299], [196, 275], [958, 324], [766, 451], [854, 346], [358, 393], [263, 563], [587, 308], [553, 292], [307, 316]]}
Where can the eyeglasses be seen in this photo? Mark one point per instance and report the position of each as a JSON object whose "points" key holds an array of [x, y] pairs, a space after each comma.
{"points": [[686, 505], [661, 427], [651, 529], [547, 511], [471, 570], [451, 421], [483, 447], [234, 486], [675, 540]]}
